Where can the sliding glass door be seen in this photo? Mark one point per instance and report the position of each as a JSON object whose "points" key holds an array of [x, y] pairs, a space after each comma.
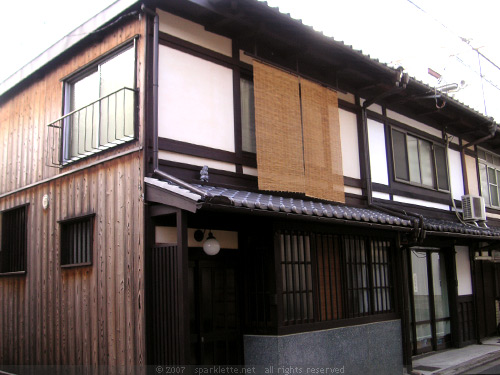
{"points": [[430, 313]]}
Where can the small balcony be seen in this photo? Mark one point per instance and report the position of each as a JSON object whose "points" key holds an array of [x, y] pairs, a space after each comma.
{"points": [[99, 126]]}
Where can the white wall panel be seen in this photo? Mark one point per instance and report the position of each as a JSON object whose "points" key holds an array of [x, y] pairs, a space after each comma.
{"points": [[419, 202], [195, 100], [379, 195], [227, 239], [353, 190], [194, 33], [194, 160], [415, 124], [349, 144], [456, 174], [378, 156], [470, 164], [463, 270]]}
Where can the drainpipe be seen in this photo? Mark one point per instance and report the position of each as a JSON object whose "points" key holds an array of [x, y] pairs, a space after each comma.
{"points": [[156, 170]]}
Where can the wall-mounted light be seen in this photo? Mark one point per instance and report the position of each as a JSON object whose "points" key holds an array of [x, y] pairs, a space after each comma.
{"points": [[45, 201], [211, 246]]}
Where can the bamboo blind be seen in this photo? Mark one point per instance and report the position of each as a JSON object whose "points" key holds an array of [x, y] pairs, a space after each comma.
{"points": [[278, 129], [298, 135]]}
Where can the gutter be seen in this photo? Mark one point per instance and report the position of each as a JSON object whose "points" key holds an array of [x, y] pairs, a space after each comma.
{"points": [[156, 169]]}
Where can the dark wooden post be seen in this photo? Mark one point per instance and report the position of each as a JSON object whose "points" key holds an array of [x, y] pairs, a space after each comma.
{"points": [[182, 279]]}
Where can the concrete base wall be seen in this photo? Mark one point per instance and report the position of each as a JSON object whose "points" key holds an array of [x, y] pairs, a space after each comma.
{"points": [[374, 348]]}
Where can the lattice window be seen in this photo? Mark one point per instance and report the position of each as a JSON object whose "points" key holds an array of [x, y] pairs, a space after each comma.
{"points": [[13, 240], [77, 238]]}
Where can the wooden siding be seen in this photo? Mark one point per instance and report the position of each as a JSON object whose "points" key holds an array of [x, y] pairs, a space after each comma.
{"points": [[25, 113], [91, 315]]}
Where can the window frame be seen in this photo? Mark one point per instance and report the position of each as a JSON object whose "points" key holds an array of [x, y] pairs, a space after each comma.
{"points": [[80, 74], [434, 172], [23, 236], [488, 165], [63, 224]]}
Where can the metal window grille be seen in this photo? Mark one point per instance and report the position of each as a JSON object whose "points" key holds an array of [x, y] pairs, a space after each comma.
{"points": [[77, 237], [13, 243]]}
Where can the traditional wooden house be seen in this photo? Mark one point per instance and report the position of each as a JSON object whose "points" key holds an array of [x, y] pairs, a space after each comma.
{"points": [[326, 185]]}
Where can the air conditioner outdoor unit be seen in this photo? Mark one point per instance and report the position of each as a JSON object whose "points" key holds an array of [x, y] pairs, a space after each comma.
{"points": [[473, 208]]}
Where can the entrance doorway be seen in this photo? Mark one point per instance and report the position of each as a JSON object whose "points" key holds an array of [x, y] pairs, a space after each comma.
{"points": [[429, 295], [216, 337]]}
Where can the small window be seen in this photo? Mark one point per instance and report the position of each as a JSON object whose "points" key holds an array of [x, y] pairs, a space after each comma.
{"points": [[489, 175], [77, 239], [419, 161], [247, 115], [13, 242], [100, 104]]}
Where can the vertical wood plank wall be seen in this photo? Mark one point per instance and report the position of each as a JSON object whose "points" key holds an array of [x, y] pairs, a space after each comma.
{"points": [[90, 315]]}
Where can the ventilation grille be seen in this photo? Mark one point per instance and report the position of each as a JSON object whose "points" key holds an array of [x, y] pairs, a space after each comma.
{"points": [[473, 208]]}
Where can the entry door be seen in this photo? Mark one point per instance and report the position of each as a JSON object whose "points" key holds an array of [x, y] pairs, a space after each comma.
{"points": [[430, 315], [216, 338]]}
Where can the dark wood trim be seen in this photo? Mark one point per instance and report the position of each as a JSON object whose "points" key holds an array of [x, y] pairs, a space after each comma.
{"points": [[76, 265], [13, 274], [76, 218], [182, 279], [414, 192], [159, 195], [191, 174], [348, 106], [196, 50], [246, 158], [414, 131], [353, 182], [15, 208]]}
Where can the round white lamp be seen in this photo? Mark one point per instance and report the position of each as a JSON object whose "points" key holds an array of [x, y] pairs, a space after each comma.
{"points": [[211, 246]]}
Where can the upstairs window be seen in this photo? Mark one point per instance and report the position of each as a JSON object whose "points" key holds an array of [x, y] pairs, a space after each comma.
{"points": [[419, 161], [13, 242], [77, 239], [489, 174], [247, 115], [99, 106]]}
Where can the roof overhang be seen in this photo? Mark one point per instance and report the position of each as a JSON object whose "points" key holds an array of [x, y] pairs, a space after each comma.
{"points": [[266, 204]]}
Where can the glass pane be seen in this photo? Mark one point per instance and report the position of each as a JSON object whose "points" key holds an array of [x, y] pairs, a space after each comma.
{"points": [[443, 331], [489, 157], [442, 171], [424, 336], [496, 160], [492, 179], [420, 285], [399, 155], [247, 116], [117, 110], [440, 286], [493, 195], [485, 192], [413, 161], [426, 163]]}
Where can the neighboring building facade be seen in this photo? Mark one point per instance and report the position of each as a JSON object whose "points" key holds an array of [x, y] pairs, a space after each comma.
{"points": [[330, 189]]}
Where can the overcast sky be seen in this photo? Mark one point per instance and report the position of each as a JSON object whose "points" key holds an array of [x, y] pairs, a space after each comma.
{"points": [[415, 34]]}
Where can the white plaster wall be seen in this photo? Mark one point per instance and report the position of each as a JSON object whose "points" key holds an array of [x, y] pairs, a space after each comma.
{"points": [[250, 171], [456, 174], [463, 270], [194, 160], [349, 144], [195, 100], [415, 124], [353, 190], [194, 33], [470, 164], [374, 107], [379, 195], [419, 202], [227, 239], [378, 155]]}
